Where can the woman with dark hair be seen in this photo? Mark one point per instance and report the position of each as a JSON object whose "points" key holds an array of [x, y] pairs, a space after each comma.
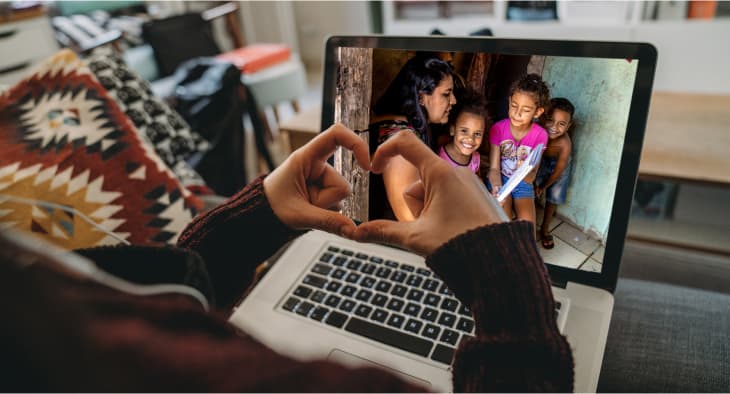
{"points": [[421, 94]]}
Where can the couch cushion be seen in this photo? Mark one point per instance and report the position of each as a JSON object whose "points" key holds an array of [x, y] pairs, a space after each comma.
{"points": [[666, 338], [162, 127], [73, 169]]}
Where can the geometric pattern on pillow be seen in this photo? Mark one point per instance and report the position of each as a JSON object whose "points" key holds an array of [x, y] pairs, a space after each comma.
{"points": [[74, 171], [161, 126]]}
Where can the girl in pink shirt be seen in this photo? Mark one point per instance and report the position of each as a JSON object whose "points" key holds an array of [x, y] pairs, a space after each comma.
{"points": [[467, 131], [511, 141]]}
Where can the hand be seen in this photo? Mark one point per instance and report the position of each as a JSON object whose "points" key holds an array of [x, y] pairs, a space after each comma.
{"points": [[303, 189], [454, 200], [539, 190]]}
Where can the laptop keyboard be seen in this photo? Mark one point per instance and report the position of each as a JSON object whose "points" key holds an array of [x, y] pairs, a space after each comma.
{"points": [[390, 302], [387, 301]]}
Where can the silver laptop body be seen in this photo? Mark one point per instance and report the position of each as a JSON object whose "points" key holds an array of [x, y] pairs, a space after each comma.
{"points": [[297, 310]]}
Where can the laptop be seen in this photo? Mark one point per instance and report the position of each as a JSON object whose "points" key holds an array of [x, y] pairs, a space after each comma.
{"points": [[359, 304]]}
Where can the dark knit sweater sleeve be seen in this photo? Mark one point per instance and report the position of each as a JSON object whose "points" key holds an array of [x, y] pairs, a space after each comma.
{"points": [[234, 238], [498, 272]]}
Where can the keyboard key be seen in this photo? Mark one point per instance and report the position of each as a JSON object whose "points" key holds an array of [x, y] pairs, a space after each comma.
{"points": [[431, 331], [558, 305], [364, 295], [379, 315], [368, 268], [332, 300], [318, 313], [304, 308], [348, 291], [303, 291], [362, 256], [315, 281], [429, 314], [443, 354], [322, 269], [399, 290], [398, 276], [339, 273], [333, 286], [383, 286], [376, 260], [353, 277], [465, 338], [432, 299], [413, 326], [363, 310], [347, 305], [395, 304], [391, 263], [464, 310], [445, 290], [367, 282], [396, 320], [354, 264], [408, 268], [290, 304], [423, 271], [333, 249], [339, 261], [415, 295], [390, 337], [346, 252], [465, 324], [383, 272], [449, 336], [447, 319], [336, 319], [326, 257], [379, 300], [414, 280], [431, 285], [318, 296], [449, 304], [412, 309]]}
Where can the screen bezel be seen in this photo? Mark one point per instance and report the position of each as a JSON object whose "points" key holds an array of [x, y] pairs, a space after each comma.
{"points": [[646, 55]]}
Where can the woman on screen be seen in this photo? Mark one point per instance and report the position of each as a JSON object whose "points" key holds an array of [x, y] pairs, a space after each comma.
{"points": [[421, 94]]}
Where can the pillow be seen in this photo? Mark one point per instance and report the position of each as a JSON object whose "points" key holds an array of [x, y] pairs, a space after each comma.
{"points": [[74, 171], [159, 125]]}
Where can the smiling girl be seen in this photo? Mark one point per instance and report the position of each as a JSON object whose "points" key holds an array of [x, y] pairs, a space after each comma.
{"points": [[467, 131]]}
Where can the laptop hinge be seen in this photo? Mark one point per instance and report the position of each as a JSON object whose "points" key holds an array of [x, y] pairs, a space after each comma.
{"points": [[561, 283]]}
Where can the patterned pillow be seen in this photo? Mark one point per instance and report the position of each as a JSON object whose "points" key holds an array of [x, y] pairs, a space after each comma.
{"points": [[74, 171], [164, 128]]}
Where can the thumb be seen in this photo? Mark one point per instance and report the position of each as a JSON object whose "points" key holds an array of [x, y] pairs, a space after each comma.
{"points": [[383, 231]]}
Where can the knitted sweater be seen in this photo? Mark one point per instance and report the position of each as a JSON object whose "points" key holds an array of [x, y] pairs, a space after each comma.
{"points": [[95, 338]]}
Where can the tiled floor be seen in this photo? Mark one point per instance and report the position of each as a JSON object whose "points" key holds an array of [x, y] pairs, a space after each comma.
{"points": [[573, 248]]}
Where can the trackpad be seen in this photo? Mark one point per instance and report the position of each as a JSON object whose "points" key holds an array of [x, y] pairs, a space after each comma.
{"points": [[353, 361]]}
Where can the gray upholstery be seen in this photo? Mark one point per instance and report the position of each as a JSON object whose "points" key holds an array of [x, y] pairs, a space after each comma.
{"points": [[666, 338]]}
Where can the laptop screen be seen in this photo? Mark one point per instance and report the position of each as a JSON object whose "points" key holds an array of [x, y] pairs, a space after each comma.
{"points": [[558, 124]]}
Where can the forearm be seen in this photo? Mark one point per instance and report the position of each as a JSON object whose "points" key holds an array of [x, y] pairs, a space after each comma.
{"points": [[497, 271], [234, 238]]}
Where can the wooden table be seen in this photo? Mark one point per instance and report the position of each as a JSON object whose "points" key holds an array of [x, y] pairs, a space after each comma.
{"points": [[302, 127], [688, 138]]}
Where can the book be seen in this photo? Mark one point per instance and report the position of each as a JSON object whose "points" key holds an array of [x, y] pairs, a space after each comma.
{"points": [[256, 57], [520, 173]]}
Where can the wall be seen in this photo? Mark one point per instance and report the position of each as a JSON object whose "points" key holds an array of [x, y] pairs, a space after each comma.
{"points": [[315, 20], [601, 91]]}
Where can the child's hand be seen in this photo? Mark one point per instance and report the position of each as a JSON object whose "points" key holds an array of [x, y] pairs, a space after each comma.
{"points": [[539, 190]]}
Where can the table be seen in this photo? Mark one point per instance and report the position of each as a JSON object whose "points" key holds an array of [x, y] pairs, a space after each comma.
{"points": [[302, 127], [687, 138]]}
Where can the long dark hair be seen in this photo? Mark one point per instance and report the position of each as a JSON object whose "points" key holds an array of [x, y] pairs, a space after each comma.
{"points": [[421, 74]]}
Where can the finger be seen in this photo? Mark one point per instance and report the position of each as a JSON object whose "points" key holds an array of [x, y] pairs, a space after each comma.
{"points": [[326, 220], [414, 197], [324, 145], [407, 145], [330, 188], [383, 231]]}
